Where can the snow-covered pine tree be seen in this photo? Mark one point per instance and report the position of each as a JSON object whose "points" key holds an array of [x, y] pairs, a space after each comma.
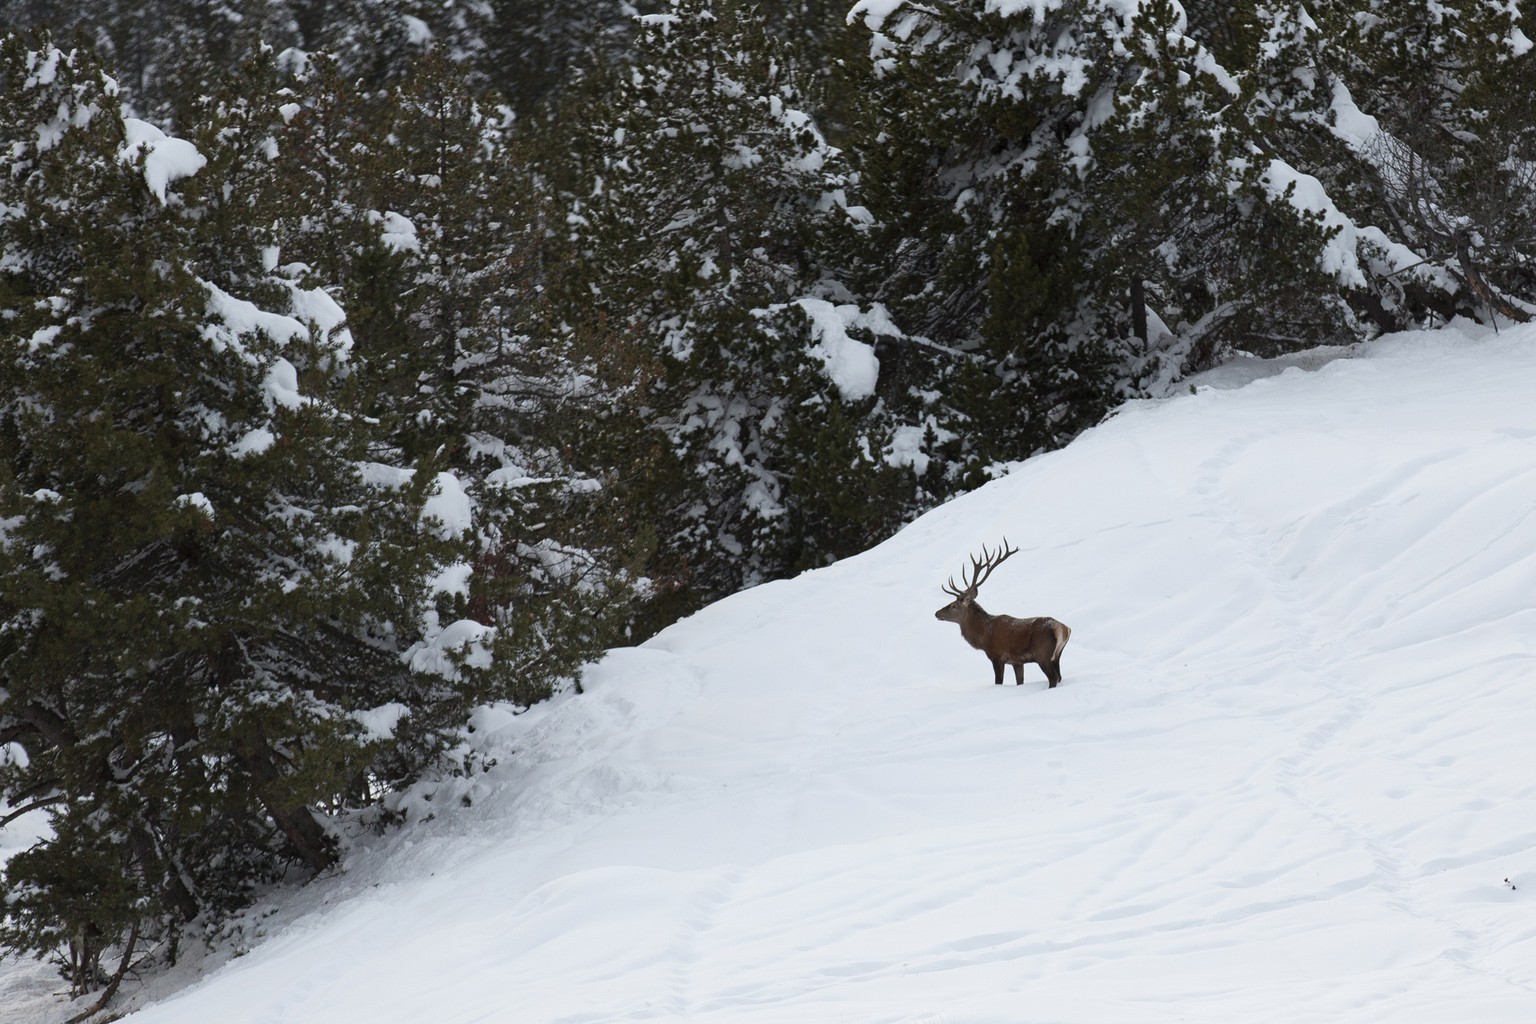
{"points": [[536, 49], [1074, 164], [435, 236], [504, 396], [218, 614], [161, 51], [165, 52], [1450, 159], [701, 212], [1182, 206], [376, 42]]}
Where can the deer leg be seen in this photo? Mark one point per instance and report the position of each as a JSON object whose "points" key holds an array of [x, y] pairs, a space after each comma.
{"points": [[1018, 673], [997, 671], [1052, 672]]}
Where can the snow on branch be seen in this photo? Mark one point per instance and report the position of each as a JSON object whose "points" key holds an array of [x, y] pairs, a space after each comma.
{"points": [[165, 159]]}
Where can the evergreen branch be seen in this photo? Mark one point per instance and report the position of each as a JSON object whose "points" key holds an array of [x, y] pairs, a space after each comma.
{"points": [[50, 725], [948, 350], [32, 792], [35, 805], [1411, 266], [12, 733]]}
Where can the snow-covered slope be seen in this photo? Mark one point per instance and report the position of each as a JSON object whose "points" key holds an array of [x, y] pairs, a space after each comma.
{"points": [[1291, 767]]}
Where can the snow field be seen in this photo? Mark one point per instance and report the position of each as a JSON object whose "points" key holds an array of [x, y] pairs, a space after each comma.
{"points": [[1287, 774]]}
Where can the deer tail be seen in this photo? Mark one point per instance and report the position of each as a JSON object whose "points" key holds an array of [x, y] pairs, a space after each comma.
{"points": [[1063, 634]]}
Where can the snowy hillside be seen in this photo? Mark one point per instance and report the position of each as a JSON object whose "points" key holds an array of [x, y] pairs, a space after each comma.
{"points": [[1290, 769]]}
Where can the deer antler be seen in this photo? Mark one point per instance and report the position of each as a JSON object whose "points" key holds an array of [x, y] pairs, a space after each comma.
{"points": [[982, 567]]}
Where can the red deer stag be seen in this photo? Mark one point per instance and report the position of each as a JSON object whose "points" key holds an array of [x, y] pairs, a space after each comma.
{"points": [[1004, 639]]}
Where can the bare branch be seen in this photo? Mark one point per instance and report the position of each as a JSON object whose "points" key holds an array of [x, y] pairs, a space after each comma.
{"points": [[35, 805]]}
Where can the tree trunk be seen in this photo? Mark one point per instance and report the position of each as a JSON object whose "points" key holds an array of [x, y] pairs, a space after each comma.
{"points": [[117, 979], [1139, 310], [1496, 303], [175, 889], [305, 835]]}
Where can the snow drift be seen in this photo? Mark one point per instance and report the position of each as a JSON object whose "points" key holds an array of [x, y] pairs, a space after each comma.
{"points": [[1289, 775]]}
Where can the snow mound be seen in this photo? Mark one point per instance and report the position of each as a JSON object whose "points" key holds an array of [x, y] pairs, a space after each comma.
{"points": [[1288, 775], [166, 160], [850, 364]]}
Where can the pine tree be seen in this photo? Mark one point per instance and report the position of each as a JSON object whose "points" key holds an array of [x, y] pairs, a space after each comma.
{"points": [[537, 49], [1451, 162], [163, 50], [228, 601], [703, 210], [547, 552], [1189, 211], [1081, 172], [435, 233], [167, 53], [376, 42]]}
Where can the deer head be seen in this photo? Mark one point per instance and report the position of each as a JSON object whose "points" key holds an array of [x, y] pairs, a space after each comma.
{"points": [[965, 597]]}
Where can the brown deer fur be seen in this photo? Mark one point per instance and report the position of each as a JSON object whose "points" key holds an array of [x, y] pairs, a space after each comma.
{"points": [[1004, 639]]}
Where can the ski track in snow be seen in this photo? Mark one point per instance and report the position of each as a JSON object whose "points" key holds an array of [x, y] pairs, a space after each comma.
{"points": [[1284, 779]]}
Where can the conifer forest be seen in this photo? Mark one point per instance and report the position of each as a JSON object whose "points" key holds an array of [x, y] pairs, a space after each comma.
{"points": [[363, 362]]}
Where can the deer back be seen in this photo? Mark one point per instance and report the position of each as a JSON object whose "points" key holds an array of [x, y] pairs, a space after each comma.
{"points": [[1038, 639]]}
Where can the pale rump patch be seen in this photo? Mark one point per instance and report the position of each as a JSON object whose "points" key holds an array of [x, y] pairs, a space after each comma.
{"points": [[1063, 634]]}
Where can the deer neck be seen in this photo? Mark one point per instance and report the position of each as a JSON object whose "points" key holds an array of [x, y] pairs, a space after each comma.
{"points": [[973, 624]]}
